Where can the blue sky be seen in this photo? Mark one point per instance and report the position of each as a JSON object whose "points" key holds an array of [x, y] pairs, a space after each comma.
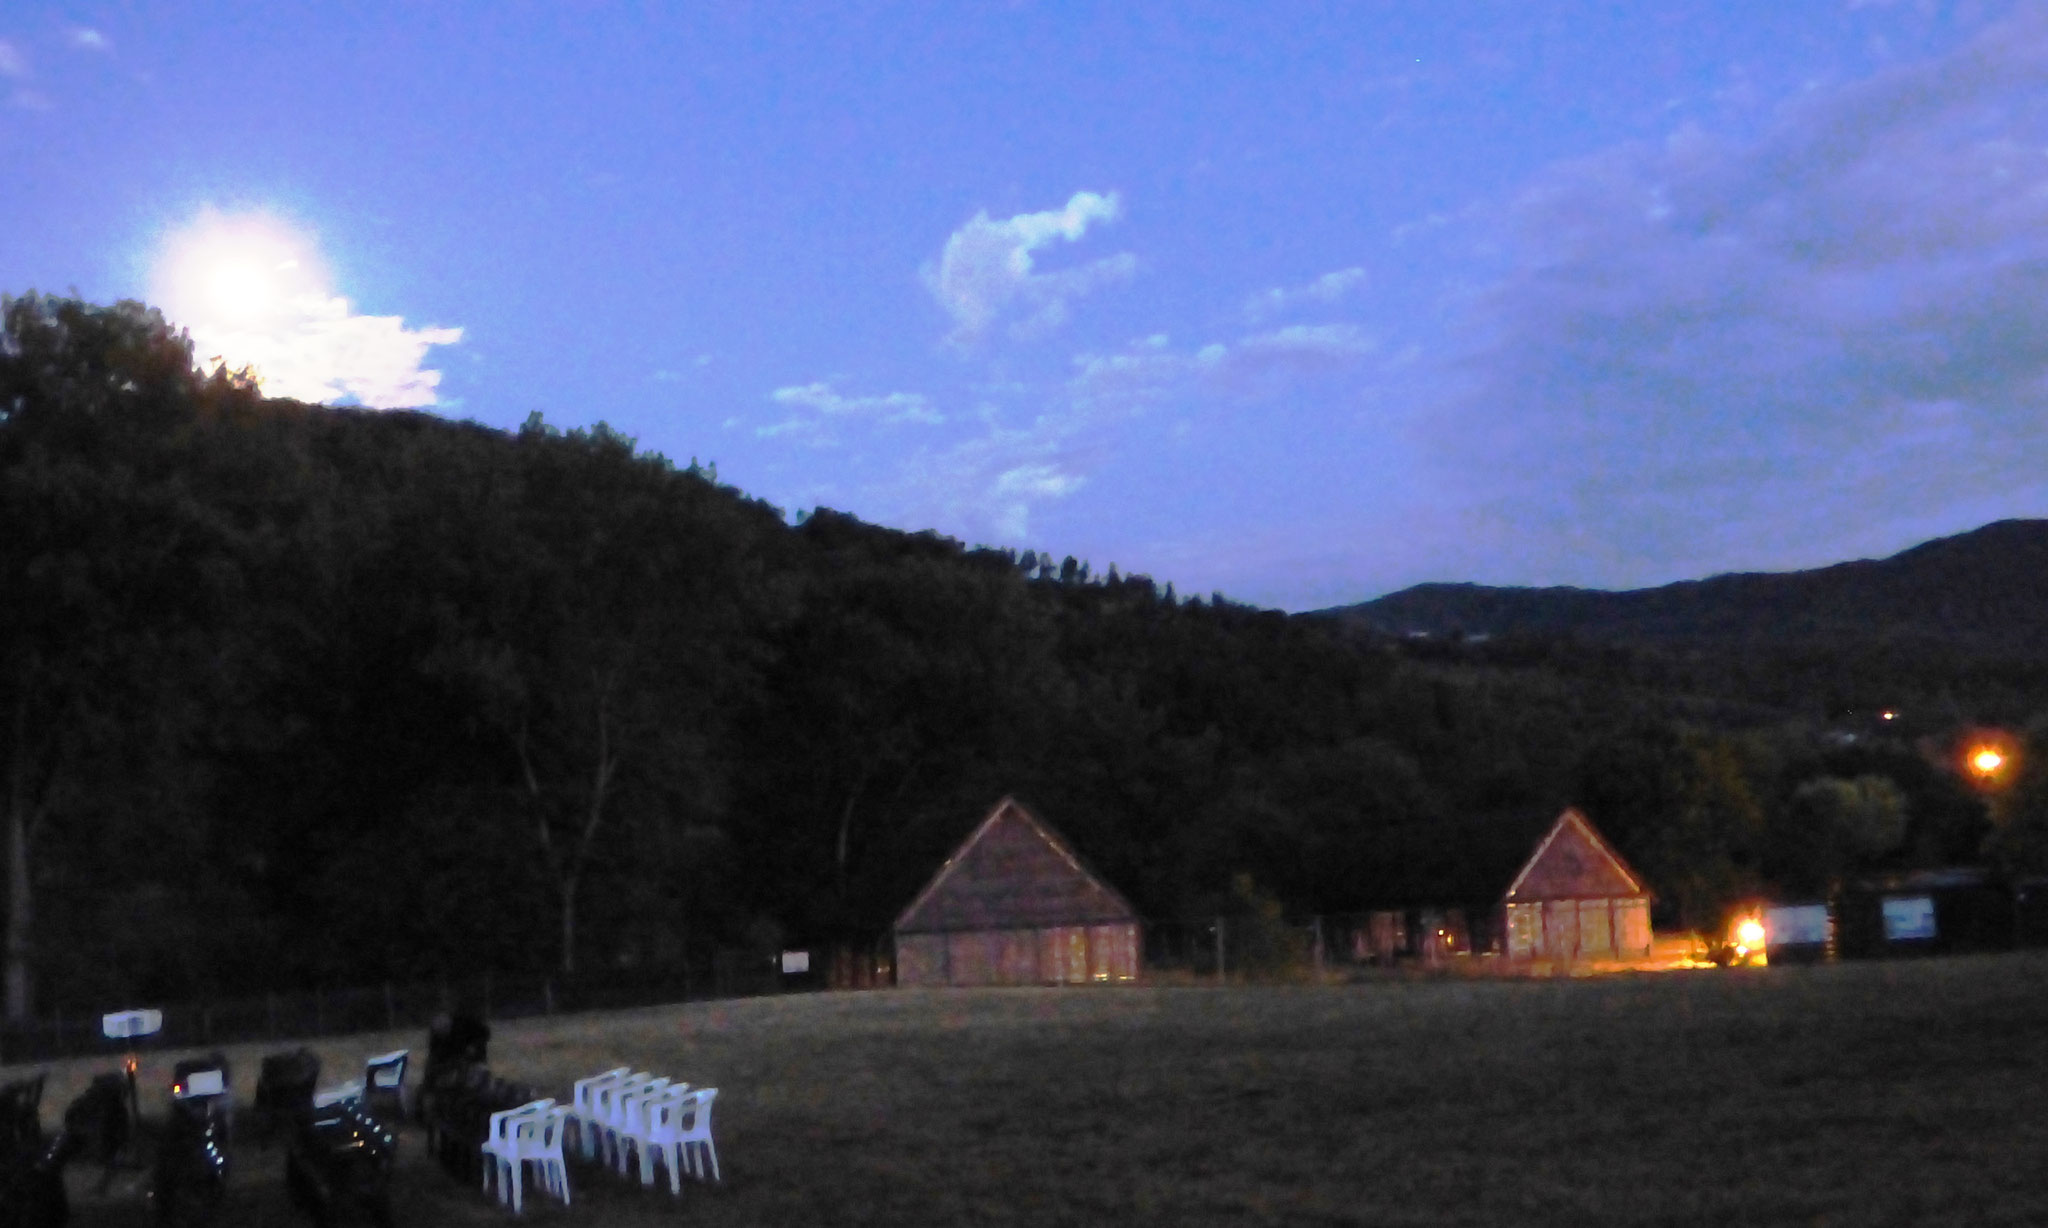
{"points": [[1301, 303]]}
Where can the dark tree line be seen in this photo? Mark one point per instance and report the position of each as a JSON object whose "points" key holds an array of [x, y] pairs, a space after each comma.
{"points": [[295, 694]]}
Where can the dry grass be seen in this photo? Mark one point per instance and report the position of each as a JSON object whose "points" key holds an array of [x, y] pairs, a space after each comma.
{"points": [[1868, 1094]]}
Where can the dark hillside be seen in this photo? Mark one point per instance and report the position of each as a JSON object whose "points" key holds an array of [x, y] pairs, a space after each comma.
{"points": [[1983, 591]]}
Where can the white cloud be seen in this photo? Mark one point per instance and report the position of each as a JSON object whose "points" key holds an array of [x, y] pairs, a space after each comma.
{"points": [[322, 351], [986, 269], [1326, 290], [88, 39], [12, 62]]}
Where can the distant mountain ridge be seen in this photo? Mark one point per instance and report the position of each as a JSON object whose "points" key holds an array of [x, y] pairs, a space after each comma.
{"points": [[1985, 590]]}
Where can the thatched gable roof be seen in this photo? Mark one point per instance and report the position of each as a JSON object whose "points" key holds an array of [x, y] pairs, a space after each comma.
{"points": [[1013, 872], [1574, 862]]}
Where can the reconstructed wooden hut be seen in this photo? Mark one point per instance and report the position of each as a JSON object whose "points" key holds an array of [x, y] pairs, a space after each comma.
{"points": [[1016, 906], [1576, 899]]}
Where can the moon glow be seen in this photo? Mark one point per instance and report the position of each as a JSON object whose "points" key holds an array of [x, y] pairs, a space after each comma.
{"points": [[237, 276]]}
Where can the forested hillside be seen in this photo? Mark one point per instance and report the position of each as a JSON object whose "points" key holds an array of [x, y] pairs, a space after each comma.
{"points": [[301, 695], [1950, 626]]}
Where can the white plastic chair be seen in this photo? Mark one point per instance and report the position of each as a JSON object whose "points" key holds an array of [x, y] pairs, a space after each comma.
{"points": [[384, 1082], [327, 1096], [680, 1129], [583, 1110], [530, 1133], [611, 1104], [634, 1118]]}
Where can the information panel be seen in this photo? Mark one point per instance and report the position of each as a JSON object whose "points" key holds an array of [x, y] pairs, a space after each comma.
{"points": [[1908, 917], [1796, 925]]}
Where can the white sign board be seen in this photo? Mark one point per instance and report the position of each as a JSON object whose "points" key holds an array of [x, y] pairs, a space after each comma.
{"points": [[1796, 925], [127, 1025], [794, 962], [1908, 917]]}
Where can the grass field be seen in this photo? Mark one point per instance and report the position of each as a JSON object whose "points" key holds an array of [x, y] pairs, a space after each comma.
{"points": [[1857, 1094]]}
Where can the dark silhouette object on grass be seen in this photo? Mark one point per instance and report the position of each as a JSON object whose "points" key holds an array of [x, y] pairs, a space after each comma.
{"points": [[32, 1166], [101, 1123], [284, 1088], [189, 1178], [456, 1043], [338, 1157]]}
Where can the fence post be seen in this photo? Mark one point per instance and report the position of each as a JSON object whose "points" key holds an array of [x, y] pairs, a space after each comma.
{"points": [[1318, 947], [547, 995], [1220, 958]]}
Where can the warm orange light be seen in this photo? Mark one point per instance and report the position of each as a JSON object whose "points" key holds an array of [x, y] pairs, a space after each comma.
{"points": [[1987, 759], [1750, 932]]}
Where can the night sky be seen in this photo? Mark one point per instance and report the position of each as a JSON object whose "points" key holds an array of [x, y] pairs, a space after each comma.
{"points": [[1302, 306]]}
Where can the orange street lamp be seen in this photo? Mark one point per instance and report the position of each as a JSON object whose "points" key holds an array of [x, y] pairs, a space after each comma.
{"points": [[1986, 760]]}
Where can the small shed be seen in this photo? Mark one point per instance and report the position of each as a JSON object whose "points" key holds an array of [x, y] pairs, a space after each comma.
{"points": [[1576, 899], [1015, 905]]}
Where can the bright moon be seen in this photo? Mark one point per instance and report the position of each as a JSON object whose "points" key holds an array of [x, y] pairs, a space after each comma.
{"points": [[235, 272]]}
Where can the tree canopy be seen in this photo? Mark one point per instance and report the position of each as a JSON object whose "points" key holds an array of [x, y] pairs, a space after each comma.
{"points": [[272, 673]]}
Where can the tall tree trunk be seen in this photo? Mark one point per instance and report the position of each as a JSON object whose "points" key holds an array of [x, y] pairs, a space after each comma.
{"points": [[569, 927], [19, 910], [19, 915], [843, 846], [566, 865]]}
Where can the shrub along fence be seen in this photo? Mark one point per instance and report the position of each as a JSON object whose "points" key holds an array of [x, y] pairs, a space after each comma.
{"points": [[75, 1032], [1253, 946]]}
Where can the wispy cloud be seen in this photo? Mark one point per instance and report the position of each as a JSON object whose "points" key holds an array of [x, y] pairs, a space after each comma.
{"points": [[88, 39], [1154, 371], [1324, 291], [994, 483], [669, 375], [889, 408], [987, 272], [988, 486], [14, 67], [829, 408], [1733, 344]]}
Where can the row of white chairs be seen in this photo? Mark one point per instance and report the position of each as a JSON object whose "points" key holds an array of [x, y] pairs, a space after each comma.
{"points": [[529, 1134], [624, 1109]]}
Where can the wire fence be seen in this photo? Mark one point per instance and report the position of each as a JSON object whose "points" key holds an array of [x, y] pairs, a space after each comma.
{"points": [[304, 1014], [1224, 948]]}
